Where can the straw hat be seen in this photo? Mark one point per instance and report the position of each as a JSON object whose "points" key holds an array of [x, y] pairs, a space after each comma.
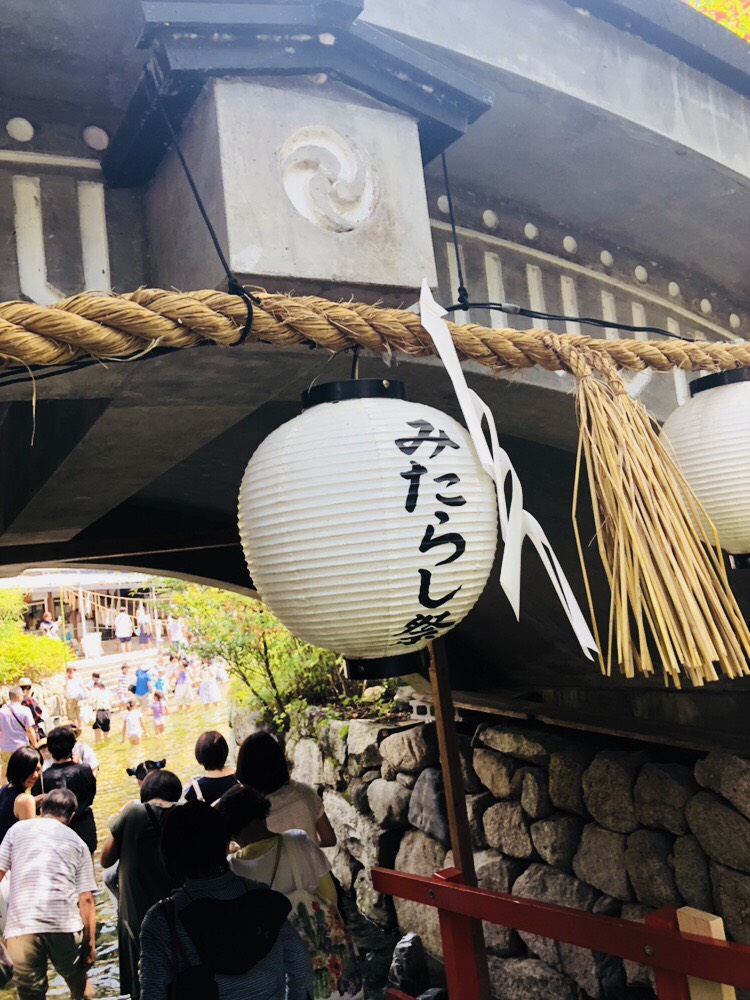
{"points": [[25, 682]]}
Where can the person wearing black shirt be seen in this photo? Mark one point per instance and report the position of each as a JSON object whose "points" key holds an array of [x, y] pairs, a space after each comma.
{"points": [[79, 778], [211, 752], [142, 878]]}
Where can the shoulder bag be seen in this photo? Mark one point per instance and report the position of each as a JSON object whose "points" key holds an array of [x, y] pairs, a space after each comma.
{"points": [[339, 975]]}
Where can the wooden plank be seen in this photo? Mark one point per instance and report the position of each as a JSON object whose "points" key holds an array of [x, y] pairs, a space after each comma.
{"points": [[683, 737], [692, 921]]}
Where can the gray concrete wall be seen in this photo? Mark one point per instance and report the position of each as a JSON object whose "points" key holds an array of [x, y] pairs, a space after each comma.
{"points": [[567, 50]]}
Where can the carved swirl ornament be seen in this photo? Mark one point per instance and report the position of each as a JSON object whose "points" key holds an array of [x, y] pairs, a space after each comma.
{"points": [[330, 182]]}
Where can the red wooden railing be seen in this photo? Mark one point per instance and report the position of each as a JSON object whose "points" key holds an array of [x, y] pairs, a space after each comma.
{"points": [[657, 942]]}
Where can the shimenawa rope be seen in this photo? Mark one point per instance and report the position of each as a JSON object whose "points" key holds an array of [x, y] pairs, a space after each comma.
{"points": [[669, 589], [121, 326]]}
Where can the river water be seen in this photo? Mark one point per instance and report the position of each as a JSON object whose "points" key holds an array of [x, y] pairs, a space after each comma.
{"points": [[115, 787]]}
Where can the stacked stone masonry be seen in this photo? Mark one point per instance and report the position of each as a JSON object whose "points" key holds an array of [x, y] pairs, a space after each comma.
{"points": [[613, 831]]}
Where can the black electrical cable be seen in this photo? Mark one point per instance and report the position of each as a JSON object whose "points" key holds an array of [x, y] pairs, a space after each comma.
{"points": [[38, 373], [511, 309], [463, 294], [463, 304]]}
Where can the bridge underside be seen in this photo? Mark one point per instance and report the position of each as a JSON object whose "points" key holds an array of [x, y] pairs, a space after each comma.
{"points": [[609, 179], [149, 481]]}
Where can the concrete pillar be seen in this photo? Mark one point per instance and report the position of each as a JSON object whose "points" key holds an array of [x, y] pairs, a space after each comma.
{"points": [[307, 184]]}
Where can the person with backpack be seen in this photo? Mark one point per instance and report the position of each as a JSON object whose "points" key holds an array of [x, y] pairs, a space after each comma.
{"points": [[292, 864], [142, 876], [66, 772], [220, 937], [17, 728]]}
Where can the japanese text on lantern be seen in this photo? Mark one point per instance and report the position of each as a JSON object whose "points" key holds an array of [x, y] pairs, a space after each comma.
{"points": [[426, 443]]}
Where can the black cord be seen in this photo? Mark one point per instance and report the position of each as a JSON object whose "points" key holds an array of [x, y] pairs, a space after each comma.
{"points": [[233, 285], [513, 310], [463, 294]]}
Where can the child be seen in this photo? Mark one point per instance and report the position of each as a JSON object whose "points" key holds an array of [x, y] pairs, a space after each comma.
{"points": [[132, 724], [158, 711]]}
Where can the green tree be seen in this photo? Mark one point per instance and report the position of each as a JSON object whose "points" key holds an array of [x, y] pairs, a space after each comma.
{"points": [[22, 653], [276, 671]]}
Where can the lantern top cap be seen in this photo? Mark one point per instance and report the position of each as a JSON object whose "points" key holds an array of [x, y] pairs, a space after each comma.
{"points": [[719, 378], [357, 388]]}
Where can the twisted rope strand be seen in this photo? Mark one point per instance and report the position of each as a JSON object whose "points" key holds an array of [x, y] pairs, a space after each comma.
{"points": [[120, 326]]}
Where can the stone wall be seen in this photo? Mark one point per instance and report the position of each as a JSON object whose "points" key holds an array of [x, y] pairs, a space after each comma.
{"points": [[553, 817]]}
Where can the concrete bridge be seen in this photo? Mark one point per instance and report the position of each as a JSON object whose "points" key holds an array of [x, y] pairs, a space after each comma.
{"points": [[598, 158]]}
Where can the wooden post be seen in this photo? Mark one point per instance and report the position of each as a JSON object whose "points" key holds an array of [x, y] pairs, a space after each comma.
{"points": [[458, 819], [669, 985], [692, 921]]}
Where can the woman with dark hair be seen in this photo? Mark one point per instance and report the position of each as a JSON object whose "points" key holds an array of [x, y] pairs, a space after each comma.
{"points": [[16, 800], [294, 805], [220, 937], [267, 856], [142, 877], [211, 752]]}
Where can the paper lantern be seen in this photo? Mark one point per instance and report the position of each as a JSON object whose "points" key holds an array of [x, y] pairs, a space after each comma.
{"points": [[368, 524], [710, 437]]}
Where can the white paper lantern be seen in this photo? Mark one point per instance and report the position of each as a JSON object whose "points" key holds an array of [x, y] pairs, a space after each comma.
{"points": [[710, 437], [368, 524]]}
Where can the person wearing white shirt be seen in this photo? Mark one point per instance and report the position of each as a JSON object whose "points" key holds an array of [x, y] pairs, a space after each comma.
{"points": [[124, 630], [74, 695], [51, 912], [16, 728]]}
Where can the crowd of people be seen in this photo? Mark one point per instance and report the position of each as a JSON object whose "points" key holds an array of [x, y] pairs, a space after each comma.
{"points": [[143, 694], [223, 889]]}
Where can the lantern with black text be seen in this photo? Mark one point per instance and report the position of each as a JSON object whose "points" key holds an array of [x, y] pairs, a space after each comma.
{"points": [[368, 524], [710, 438]]}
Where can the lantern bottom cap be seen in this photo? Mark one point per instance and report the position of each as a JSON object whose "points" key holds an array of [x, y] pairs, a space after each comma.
{"points": [[360, 669]]}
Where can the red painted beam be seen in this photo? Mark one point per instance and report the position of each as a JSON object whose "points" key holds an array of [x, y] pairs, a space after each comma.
{"points": [[649, 944]]}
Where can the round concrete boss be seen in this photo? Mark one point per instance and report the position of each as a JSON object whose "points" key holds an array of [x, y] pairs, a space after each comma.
{"points": [[368, 525]]}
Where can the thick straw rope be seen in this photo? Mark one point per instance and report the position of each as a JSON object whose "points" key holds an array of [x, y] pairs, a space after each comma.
{"points": [[120, 326], [670, 592]]}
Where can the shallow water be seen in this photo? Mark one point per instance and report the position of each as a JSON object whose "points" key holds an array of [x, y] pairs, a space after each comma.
{"points": [[115, 787]]}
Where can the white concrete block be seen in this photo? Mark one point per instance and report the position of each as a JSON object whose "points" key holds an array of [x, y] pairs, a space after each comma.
{"points": [[309, 185]]}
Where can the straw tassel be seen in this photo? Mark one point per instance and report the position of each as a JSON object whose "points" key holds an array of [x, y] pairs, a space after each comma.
{"points": [[671, 602]]}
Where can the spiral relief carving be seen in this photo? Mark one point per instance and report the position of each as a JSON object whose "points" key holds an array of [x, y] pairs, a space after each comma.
{"points": [[328, 179]]}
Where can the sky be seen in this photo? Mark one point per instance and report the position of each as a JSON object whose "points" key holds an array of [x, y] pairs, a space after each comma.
{"points": [[732, 14]]}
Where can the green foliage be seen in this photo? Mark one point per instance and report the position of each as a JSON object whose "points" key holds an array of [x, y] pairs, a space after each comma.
{"points": [[278, 674], [22, 653]]}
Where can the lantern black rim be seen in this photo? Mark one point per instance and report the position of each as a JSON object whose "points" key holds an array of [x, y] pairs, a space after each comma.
{"points": [[719, 378], [380, 667], [356, 388]]}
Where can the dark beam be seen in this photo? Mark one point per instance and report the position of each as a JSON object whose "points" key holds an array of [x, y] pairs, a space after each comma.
{"points": [[240, 17], [443, 101], [35, 441]]}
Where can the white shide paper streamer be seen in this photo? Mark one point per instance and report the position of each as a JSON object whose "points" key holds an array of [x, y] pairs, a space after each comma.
{"points": [[516, 524]]}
